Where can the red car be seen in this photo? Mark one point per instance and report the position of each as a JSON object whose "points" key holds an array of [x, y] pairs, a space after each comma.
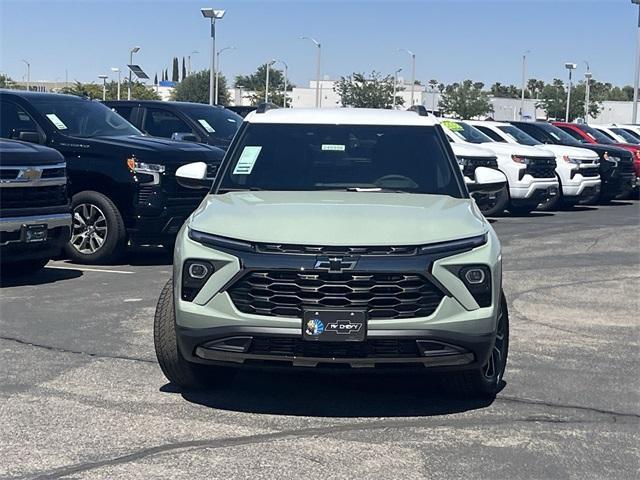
{"points": [[586, 134]]}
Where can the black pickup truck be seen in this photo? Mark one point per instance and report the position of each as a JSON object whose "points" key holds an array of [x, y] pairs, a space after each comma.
{"points": [[35, 212], [122, 183], [195, 122]]}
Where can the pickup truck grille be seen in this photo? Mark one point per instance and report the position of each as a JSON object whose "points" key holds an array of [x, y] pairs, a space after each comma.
{"points": [[625, 167], [471, 163], [541, 167], [32, 197], [285, 346], [339, 251], [589, 172], [285, 293]]}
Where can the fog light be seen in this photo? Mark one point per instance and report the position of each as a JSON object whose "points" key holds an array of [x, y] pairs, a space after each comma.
{"points": [[195, 274], [198, 271], [474, 276]]}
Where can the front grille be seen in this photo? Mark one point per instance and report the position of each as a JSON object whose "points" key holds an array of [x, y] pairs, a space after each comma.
{"points": [[541, 167], [340, 251], [471, 163], [54, 172], [381, 295], [9, 173], [376, 348], [30, 197], [626, 167], [589, 172]]}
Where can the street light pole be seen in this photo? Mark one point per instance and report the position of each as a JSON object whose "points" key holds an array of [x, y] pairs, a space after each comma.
{"points": [[636, 79], [131, 52], [395, 85], [189, 62], [587, 88], [104, 86], [213, 15], [286, 74], [218, 69], [570, 67], [116, 69], [266, 82], [317, 44], [28, 74], [413, 72], [524, 75]]}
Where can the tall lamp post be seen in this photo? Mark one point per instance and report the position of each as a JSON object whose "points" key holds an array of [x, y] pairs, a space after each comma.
{"points": [[189, 61], [587, 88], [213, 15], [104, 86], [28, 74], [524, 75], [317, 44], [116, 69], [266, 81], [286, 75], [570, 67], [395, 85], [413, 71], [218, 69], [636, 78], [131, 52]]}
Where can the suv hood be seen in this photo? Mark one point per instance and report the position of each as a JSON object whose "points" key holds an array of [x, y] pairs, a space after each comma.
{"points": [[573, 152], [470, 150], [516, 149], [330, 218]]}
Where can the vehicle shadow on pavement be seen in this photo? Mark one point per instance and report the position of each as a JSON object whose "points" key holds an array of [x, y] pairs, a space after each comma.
{"points": [[44, 276], [325, 395]]}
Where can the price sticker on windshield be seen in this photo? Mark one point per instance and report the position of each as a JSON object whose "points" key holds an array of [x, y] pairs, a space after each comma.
{"points": [[453, 126], [333, 148], [59, 124], [247, 160], [206, 125]]}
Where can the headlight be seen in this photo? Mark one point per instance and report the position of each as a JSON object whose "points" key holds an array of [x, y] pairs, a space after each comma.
{"points": [[572, 161], [613, 159], [477, 279], [195, 274], [144, 167], [519, 159]]}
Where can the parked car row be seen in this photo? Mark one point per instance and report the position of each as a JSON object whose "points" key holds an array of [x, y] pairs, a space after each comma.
{"points": [[120, 160]]}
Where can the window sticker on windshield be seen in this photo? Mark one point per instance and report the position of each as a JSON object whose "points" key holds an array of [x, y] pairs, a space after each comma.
{"points": [[59, 124], [247, 160], [206, 125], [332, 148], [453, 126]]}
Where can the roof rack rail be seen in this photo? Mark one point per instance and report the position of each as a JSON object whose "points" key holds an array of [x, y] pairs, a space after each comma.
{"points": [[263, 107], [419, 109]]}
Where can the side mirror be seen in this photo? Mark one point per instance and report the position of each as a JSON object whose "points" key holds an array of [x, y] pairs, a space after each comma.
{"points": [[193, 175], [30, 136], [487, 180], [184, 137]]}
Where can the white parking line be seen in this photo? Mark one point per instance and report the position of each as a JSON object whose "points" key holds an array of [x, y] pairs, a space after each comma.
{"points": [[85, 269]]}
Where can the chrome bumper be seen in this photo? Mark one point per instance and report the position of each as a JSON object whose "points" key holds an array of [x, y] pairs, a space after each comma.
{"points": [[14, 224]]}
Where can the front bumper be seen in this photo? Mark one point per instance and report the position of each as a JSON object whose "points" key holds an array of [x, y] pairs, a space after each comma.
{"points": [[458, 321], [536, 191], [13, 246]]}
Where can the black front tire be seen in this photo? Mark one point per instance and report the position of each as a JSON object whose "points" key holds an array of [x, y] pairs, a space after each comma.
{"points": [[497, 206], [116, 235], [180, 372], [553, 203], [486, 381]]}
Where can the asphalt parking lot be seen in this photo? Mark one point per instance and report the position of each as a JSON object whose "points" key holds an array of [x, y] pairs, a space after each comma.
{"points": [[83, 397]]}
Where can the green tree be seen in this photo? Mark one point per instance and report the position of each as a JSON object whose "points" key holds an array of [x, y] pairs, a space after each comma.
{"points": [[256, 83], [505, 91], [465, 100], [371, 91], [535, 87], [553, 99], [139, 91], [195, 88], [184, 70], [7, 82], [175, 76], [89, 90]]}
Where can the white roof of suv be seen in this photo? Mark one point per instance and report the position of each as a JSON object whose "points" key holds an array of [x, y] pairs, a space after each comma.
{"points": [[338, 116]]}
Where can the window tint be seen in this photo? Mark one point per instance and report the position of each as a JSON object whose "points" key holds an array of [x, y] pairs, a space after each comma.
{"points": [[519, 136], [13, 120], [341, 157], [490, 133], [465, 132], [124, 112], [628, 137], [219, 122], [574, 134], [596, 135], [535, 132], [162, 123]]}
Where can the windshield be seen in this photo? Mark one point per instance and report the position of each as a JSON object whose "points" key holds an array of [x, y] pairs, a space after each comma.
{"points": [[465, 132], [220, 122], [558, 134], [83, 118], [597, 135], [518, 135], [341, 157], [629, 138]]}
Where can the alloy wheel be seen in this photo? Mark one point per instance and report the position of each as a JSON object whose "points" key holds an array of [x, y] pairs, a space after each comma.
{"points": [[494, 368], [89, 228]]}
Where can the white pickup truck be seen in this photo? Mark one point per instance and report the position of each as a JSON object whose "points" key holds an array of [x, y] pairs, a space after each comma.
{"points": [[530, 171], [576, 168]]}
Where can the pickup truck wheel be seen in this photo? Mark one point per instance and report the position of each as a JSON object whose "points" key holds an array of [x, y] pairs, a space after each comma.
{"points": [[98, 234], [23, 267], [486, 382], [497, 206], [180, 372]]}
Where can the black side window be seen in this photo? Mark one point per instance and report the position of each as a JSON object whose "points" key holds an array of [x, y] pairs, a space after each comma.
{"points": [[123, 111], [13, 120], [490, 133], [161, 123], [574, 134], [535, 132]]}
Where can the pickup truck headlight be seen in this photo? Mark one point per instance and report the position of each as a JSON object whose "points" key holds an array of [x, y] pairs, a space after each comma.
{"points": [[477, 279], [520, 159], [574, 161], [195, 274], [144, 167]]}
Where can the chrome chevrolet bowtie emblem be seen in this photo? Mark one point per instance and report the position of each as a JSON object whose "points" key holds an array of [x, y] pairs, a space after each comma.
{"points": [[30, 174], [335, 264]]}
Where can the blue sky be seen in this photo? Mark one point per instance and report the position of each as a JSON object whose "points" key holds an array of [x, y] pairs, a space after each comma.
{"points": [[453, 40]]}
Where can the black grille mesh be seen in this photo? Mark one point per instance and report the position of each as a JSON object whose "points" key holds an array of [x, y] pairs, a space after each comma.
{"points": [[381, 295], [30, 197], [340, 251], [377, 348], [542, 167]]}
